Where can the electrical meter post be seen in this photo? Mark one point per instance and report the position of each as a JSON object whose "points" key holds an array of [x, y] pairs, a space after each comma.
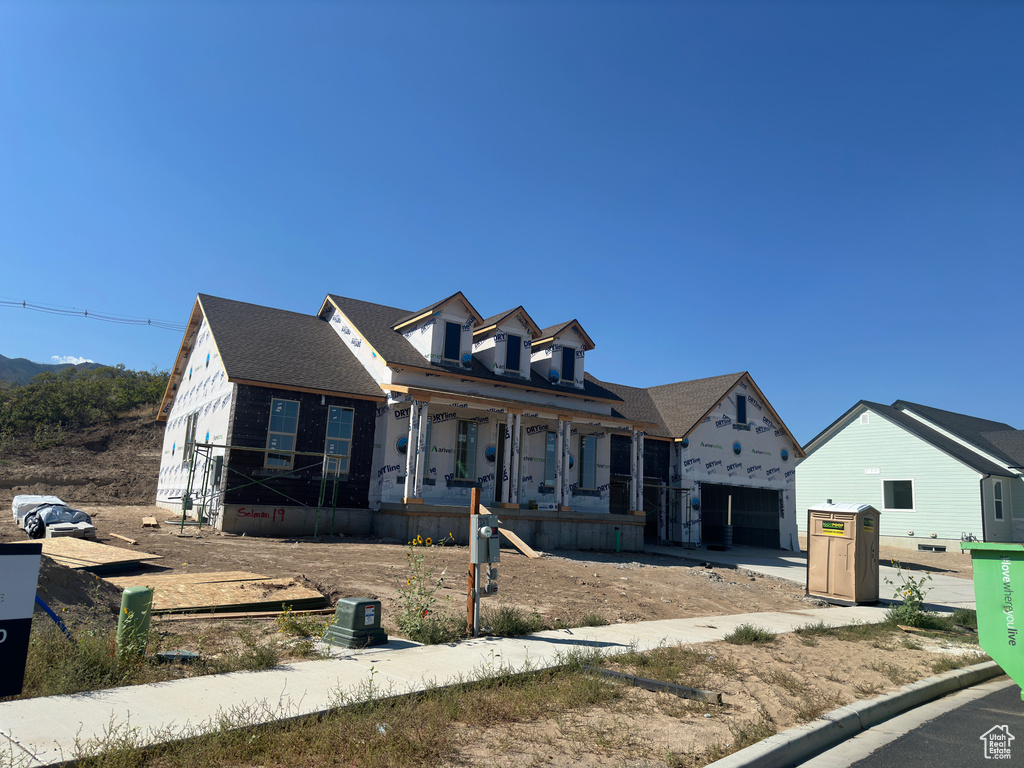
{"points": [[484, 556]]}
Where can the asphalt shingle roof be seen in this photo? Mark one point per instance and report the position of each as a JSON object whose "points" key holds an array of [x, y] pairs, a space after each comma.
{"points": [[675, 408], [995, 437], [287, 349], [636, 405], [685, 403], [413, 315], [376, 324], [939, 440]]}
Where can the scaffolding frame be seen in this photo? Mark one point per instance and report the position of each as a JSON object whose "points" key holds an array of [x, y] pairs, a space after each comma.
{"points": [[673, 510], [208, 494]]}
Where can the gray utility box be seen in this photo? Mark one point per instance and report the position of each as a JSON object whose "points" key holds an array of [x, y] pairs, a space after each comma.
{"points": [[484, 544], [842, 553], [356, 624]]}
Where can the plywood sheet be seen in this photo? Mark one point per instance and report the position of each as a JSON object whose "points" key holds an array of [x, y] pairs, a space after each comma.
{"points": [[265, 594], [92, 556], [163, 578]]}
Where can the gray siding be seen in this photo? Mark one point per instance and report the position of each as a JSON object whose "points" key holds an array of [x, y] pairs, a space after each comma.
{"points": [[947, 494]]}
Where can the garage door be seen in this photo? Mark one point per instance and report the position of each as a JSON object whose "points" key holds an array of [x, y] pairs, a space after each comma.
{"points": [[755, 515]]}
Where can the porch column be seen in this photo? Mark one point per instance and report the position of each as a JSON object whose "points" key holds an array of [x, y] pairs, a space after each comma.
{"points": [[410, 451], [560, 463], [506, 482], [632, 472], [422, 419], [566, 448], [514, 480]]}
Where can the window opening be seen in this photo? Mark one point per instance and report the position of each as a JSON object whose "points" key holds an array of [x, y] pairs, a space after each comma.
{"points": [[550, 453], [465, 451], [898, 494], [588, 462], [190, 436], [568, 365], [339, 439], [997, 492], [452, 341], [284, 424], [426, 453], [741, 409], [513, 350]]}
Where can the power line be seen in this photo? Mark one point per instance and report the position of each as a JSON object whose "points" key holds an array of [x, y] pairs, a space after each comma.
{"points": [[51, 309]]}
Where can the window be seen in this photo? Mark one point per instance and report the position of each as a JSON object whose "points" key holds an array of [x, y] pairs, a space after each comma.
{"points": [[284, 423], [339, 439], [588, 462], [568, 365], [741, 409], [898, 494], [452, 341], [997, 493], [465, 451], [513, 350], [191, 421], [550, 456], [426, 453]]}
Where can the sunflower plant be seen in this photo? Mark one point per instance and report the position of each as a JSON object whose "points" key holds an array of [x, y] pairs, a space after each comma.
{"points": [[421, 616], [912, 592]]}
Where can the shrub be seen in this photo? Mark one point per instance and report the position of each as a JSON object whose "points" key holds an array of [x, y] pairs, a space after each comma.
{"points": [[510, 621], [300, 626], [748, 634]]}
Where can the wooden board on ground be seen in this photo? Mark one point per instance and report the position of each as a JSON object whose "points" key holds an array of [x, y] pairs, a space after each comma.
{"points": [[91, 556], [150, 522], [519, 544], [222, 591]]}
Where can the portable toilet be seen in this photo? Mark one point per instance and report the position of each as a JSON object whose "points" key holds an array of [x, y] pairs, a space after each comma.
{"points": [[842, 553]]}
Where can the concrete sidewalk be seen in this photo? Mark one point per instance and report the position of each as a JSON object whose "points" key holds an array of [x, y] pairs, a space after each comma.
{"points": [[943, 591], [44, 731]]}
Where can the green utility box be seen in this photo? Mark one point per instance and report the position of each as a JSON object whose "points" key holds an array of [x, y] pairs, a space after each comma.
{"points": [[842, 553], [133, 621], [998, 593], [356, 624]]}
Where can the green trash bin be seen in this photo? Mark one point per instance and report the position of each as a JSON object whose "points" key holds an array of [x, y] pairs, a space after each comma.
{"points": [[998, 594]]}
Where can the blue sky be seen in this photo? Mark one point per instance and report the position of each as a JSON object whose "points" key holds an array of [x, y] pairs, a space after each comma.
{"points": [[829, 195]]}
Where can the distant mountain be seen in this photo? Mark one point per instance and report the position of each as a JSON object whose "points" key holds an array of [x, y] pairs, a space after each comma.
{"points": [[20, 371]]}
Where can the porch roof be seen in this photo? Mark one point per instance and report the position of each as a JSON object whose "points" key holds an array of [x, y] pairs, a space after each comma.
{"points": [[518, 406]]}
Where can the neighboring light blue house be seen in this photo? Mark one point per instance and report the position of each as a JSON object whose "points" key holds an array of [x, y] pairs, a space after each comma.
{"points": [[936, 477]]}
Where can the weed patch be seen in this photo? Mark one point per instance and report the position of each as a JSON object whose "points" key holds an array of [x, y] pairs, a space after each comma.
{"points": [[509, 621], [748, 634]]}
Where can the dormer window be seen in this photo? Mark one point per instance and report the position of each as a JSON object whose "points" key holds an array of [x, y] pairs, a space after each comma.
{"points": [[568, 365], [513, 353], [452, 342]]}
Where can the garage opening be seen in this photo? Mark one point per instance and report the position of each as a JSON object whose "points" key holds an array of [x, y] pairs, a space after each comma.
{"points": [[755, 515]]}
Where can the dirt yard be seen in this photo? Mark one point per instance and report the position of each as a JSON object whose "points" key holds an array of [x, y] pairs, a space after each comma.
{"points": [[562, 586]]}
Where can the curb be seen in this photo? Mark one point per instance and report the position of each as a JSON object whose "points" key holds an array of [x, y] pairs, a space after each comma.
{"points": [[801, 742]]}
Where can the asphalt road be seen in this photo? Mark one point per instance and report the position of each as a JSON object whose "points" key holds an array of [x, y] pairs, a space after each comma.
{"points": [[945, 733]]}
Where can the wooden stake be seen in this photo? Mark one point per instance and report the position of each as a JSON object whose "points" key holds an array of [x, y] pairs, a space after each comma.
{"points": [[474, 509]]}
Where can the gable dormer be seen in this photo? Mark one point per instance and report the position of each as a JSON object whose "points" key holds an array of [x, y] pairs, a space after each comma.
{"points": [[443, 332], [559, 353], [503, 343]]}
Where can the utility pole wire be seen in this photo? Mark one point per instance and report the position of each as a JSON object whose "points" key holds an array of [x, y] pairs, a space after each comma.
{"points": [[51, 309]]}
